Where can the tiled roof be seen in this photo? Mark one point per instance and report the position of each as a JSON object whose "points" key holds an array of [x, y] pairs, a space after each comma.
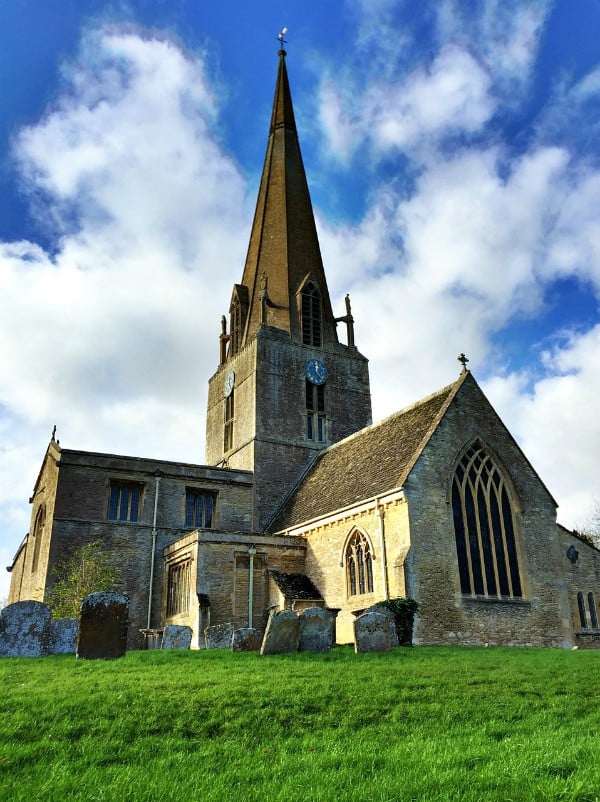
{"points": [[366, 464], [295, 586]]}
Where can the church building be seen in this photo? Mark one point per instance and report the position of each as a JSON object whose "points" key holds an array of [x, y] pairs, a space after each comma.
{"points": [[303, 501]]}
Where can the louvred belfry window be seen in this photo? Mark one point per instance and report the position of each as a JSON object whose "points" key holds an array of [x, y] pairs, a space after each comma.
{"points": [[311, 314], [484, 527], [228, 417], [316, 419]]}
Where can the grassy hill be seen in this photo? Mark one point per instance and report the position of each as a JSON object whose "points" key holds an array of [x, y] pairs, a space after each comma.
{"points": [[413, 724]]}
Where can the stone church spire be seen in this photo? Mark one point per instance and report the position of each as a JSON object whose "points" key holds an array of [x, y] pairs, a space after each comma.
{"points": [[286, 387], [283, 255]]}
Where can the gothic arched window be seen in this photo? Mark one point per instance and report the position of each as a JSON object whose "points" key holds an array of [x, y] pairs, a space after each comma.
{"points": [[359, 565], [593, 614], [311, 314], [581, 606], [38, 531], [228, 417], [484, 526], [235, 326]]}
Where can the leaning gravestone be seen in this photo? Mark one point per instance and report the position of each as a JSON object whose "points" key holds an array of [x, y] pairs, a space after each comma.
{"points": [[25, 629], [372, 632], [317, 629], [282, 634], [219, 636], [63, 636], [246, 639], [176, 637], [102, 626]]}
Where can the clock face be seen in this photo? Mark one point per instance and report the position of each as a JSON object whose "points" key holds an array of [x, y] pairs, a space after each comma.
{"points": [[228, 385], [316, 372]]}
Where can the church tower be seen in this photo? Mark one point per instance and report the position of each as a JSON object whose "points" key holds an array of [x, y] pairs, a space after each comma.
{"points": [[286, 387]]}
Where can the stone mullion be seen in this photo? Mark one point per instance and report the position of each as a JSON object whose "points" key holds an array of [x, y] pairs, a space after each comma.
{"points": [[500, 490], [490, 488], [463, 510]]}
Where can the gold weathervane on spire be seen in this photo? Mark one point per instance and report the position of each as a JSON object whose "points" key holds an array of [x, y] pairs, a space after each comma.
{"points": [[281, 37]]}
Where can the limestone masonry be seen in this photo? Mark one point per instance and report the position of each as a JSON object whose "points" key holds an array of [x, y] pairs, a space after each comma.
{"points": [[303, 502]]}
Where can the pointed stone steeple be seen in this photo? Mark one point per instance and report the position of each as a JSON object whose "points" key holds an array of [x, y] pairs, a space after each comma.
{"points": [[283, 254], [286, 387]]}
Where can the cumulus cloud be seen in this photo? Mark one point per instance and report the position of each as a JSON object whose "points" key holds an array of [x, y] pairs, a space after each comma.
{"points": [[112, 332], [557, 420], [505, 33], [448, 97]]}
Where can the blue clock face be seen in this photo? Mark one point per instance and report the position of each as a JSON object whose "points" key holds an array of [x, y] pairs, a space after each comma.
{"points": [[316, 372]]}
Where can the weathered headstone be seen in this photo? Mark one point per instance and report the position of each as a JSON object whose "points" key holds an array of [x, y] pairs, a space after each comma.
{"points": [[317, 629], [282, 634], [63, 636], [246, 639], [390, 616], [219, 636], [176, 637], [25, 629], [372, 632], [102, 626]]}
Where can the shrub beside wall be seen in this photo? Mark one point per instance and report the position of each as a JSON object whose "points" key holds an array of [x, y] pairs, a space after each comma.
{"points": [[404, 612]]}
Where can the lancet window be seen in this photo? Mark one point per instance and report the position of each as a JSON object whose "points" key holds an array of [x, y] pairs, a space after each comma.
{"points": [[359, 565], [484, 527], [316, 419], [581, 606], [235, 326], [311, 314], [228, 421], [38, 533], [593, 613]]}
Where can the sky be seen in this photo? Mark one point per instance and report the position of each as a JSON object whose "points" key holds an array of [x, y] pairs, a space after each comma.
{"points": [[452, 151]]}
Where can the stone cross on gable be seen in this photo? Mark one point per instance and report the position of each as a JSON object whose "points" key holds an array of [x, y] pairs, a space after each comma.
{"points": [[463, 361]]}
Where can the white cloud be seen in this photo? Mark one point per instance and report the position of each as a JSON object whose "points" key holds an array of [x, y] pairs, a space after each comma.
{"points": [[113, 335], [557, 421], [449, 96], [505, 33]]}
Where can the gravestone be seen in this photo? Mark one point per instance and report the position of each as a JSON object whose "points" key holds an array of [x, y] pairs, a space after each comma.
{"points": [[102, 626], [63, 636], [389, 615], [219, 636], [176, 637], [282, 634], [317, 629], [25, 629], [246, 639], [372, 632]]}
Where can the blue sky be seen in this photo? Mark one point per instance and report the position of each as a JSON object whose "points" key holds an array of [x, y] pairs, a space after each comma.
{"points": [[452, 153]]}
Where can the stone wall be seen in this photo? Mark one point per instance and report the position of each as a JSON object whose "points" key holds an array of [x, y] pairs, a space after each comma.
{"points": [[75, 487], [541, 616], [270, 411], [28, 581], [220, 569], [581, 565], [325, 560]]}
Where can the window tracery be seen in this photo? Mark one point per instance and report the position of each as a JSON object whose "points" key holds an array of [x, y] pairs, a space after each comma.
{"points": [[359, 565], [484, 527]]}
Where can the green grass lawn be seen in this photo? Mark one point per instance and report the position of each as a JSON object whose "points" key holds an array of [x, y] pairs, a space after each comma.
{"points": [[423, 723]]}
